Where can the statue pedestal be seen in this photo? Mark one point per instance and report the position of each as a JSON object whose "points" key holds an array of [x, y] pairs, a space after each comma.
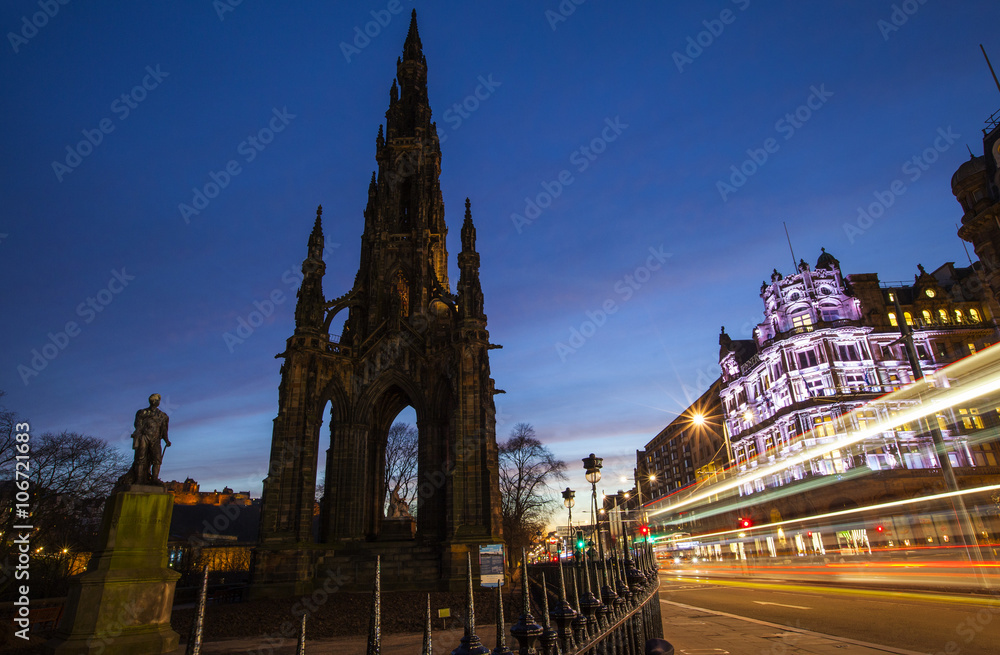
{"points": [[403, 528], [122, 603]]}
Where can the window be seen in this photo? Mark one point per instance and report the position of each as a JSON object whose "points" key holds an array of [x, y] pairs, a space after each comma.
{"points": [[807, 359], [959, 317], [941, 349], [847, 353], [892, 320], [927, 317], [908, 317], [922, 351], [972, 348], [802, 320], [970, 418], [974, 315], [943, 314], [823, 426]]}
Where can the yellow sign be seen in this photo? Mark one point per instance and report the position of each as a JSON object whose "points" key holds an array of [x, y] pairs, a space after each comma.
{"points": [[444, 613]]}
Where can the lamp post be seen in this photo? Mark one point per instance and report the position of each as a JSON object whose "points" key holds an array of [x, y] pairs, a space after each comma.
{"points": [[592, 466], [569, 499]]}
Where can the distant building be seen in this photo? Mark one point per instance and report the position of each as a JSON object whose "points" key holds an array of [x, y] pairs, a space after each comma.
{"points": [[688, 444], [188, 493], [829, 345]]}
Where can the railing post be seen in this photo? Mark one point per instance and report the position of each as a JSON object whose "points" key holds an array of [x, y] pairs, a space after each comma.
{"points": [[579, 621], [501, 648], [375, 618], [300, 646], [563, 614], [550, 638], [609, 598], [427, 649], [470, 645], [526, 631], [589, 604], [194, 638]]}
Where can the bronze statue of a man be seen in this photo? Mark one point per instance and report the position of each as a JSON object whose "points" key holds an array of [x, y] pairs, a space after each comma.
{"points": [[150, 429]]}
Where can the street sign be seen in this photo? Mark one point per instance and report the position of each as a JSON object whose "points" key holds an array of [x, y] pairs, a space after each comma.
{"points": [[491, 565]]}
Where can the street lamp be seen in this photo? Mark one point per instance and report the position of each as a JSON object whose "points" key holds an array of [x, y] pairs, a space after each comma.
{"points": [[569, 499], [592, 466]]}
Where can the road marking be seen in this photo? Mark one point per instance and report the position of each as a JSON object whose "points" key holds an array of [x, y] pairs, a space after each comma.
{"points": [[819, 635], [796, 607]]}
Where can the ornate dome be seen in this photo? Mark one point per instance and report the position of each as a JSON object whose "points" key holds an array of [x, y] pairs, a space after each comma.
{"points": [[826, 260], [974, 166]]}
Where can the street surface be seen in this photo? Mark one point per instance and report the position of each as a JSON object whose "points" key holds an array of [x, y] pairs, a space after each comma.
{"points": [[913, 621]]}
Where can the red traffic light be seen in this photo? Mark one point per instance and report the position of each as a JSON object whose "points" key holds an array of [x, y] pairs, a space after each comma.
{"points": [[879, 528], [745, 523], [644, 530]]}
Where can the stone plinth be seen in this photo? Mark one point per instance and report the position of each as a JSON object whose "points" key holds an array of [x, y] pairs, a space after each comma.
{"points": [[403, 528], [122, 603]]}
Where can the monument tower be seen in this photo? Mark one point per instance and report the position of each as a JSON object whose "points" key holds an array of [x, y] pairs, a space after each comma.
{"points": [[407, 340]]}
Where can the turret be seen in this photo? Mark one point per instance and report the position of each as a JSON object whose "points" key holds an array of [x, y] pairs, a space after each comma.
{"points": [[309, 299]]}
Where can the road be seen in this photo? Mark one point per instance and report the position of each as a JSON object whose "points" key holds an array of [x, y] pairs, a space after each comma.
{"points": [[922, 622]]}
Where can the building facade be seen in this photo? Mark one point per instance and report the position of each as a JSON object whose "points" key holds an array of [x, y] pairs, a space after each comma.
{"points": [[976, 185], [830, 345]]}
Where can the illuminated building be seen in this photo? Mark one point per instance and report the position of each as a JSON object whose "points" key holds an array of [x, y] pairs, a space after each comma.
{"points": [[829, 345], [188, 493]]}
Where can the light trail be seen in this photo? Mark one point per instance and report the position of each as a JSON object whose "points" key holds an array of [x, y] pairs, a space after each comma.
{"points": [[949, 397], [847, 512]]}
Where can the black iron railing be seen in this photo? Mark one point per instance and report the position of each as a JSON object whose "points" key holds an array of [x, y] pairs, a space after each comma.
{"points": [[619, 619]]}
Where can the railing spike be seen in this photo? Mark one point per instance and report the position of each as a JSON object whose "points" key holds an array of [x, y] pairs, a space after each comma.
{"points": [[501, 648], [375, 624], [300, 647], [471, 645], [526, 631], [198, 626], [427, 650]]}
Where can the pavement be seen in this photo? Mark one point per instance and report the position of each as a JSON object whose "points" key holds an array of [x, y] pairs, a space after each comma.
{"points": [[691, 630]]}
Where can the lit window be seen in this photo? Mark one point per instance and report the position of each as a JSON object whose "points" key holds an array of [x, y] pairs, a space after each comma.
{"points": [[823, 426], [908, 318], [891, 296], [802, 320], [892, 320], [974, 315], [972, 348], [959, 318], [927, 317], [944, 315]]}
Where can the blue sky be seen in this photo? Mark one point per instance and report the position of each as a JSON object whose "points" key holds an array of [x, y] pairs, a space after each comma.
{"points": [[198, 85]]}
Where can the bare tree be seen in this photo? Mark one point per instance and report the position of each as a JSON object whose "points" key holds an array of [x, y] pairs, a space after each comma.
{"points": [[527, 468], [401, 465], [70, 475]]}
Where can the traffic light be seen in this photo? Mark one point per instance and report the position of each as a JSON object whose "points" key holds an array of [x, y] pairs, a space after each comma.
{"points": [[580, 542], [644, 530], [879, 528], [745, 523]]}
